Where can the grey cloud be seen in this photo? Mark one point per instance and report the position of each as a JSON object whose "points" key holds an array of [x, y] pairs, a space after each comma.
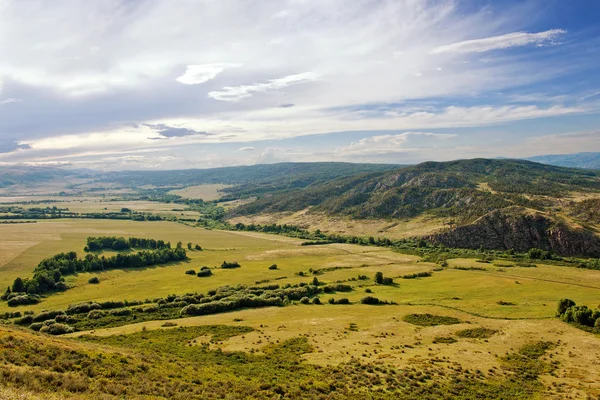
{"points": [[168, 132], [288, 105], [10, 147]]}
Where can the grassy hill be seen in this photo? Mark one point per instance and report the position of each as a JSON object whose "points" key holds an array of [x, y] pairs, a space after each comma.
{"points": [[465, 189], [461, 191]]}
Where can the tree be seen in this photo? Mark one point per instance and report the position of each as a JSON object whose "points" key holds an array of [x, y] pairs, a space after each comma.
{"points": [[379, 278], [198, 248], [18, 285], [179, 245], [563, 305], [189, 245], [315, 281]]}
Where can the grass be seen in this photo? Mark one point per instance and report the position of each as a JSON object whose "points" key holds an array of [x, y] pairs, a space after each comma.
{"points": [[206, 192], [338, 336]]}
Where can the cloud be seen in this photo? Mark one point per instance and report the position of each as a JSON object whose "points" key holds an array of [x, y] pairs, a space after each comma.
{"points": [[390, 144], [6, 147], [516, 39], [248, 148], [237, 93], [10, 100], [169, 132], [287, 105], [196, 74]]}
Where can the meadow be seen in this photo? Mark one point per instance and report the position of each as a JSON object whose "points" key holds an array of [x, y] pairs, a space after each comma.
{"points": [[517, 304]]}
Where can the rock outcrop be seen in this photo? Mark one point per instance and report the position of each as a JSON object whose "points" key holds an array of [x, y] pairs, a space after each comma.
{"points": [[520, 229]]}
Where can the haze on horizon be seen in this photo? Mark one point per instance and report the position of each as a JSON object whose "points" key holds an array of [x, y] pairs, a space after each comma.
{"points": [[117, 84]]}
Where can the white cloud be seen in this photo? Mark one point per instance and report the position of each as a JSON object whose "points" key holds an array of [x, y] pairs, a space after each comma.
{"points": [[515, 39], [237, 93], [10, 100], [196, 74], [249, 148], [389, 144]]}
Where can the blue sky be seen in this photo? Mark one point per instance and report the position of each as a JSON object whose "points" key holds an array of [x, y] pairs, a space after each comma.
{"points": [[112, 84]]}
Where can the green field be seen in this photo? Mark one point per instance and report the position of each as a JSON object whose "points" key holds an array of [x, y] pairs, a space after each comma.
{"points": [[515, 302]]}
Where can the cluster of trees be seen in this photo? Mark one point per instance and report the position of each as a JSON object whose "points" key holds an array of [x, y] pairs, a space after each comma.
{"points": [[229, 265], [48, 275], [382, 280], [568, 311], [120, 243], [417, 275]]}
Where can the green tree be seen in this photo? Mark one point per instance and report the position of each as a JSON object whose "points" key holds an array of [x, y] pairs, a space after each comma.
{"points": [[315, 281], [189, 245], [379, 278], [18, 285]]}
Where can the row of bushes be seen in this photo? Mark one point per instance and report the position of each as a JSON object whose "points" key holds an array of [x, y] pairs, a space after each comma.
{"points": [[570, 312], [417, 275]]}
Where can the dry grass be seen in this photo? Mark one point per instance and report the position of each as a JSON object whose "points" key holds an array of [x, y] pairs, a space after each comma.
{"points": [[205, 192]]}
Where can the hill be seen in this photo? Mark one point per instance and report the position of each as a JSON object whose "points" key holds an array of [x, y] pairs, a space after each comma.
{"points": [[462, 191], [577, 160]]}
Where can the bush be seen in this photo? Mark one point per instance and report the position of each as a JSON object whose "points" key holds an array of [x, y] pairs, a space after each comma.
{"points": [[317, 301], [23, 299], [121, 312], [305, 300], [44, 316], [57, 329], [26, 320], [36, 326], [442, 339], [204, 272], [96, 314], [331, 300], [82, 308], [370, 300], [94, 280], [230, 265], [274, 266], [476, 333], [198, 248], [388, 281], [430, 320], [190, 272], [367, 290], [417, 275]]}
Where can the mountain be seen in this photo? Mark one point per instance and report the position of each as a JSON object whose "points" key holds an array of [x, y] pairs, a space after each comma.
{"points": [[31, 176], [497, 204], [467, 189], [577, 160], [248, 180]]}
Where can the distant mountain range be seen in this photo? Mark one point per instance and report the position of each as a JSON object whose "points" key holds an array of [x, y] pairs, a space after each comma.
{"points": [[577, 160]]}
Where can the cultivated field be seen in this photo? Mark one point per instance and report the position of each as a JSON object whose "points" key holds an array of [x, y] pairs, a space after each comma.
{"points": [[204, 192]]}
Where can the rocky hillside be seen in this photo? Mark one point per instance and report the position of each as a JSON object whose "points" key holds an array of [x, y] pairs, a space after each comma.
{"points": [[520, 229]]}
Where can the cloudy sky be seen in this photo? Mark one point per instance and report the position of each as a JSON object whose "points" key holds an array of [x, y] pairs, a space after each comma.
{"points": [[124, 84]]}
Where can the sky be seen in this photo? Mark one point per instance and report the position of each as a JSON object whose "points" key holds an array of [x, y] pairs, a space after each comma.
{"points": [[171, 84]]}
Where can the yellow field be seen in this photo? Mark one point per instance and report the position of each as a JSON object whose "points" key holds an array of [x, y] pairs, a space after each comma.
{"points": [[204, 192], [393, 228], [338, 333]]}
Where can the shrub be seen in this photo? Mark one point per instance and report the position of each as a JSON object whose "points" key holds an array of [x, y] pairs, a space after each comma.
{"points": [[305, 300], [36, 326], [447, 340], [204, 272], [94, 280], [331, 300], [44, 316], [317, 301], [57, 329], [274, 266], [370, 300], [121, 312], [343, 300], [169, 324], [198, 248], [82, 308], [96, 314], [229, 265], [26, 320], [23, 299], [105, 305], [367, 290], [417, 275], [430, 320], [388, 281], [476, 333]]}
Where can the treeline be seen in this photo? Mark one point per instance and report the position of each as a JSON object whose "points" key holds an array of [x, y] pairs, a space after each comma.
{"points": [[49, 275], [120, 243], [581, 316]]}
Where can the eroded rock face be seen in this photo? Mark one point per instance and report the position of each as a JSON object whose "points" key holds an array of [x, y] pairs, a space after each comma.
{"points": [[520, 230]]}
